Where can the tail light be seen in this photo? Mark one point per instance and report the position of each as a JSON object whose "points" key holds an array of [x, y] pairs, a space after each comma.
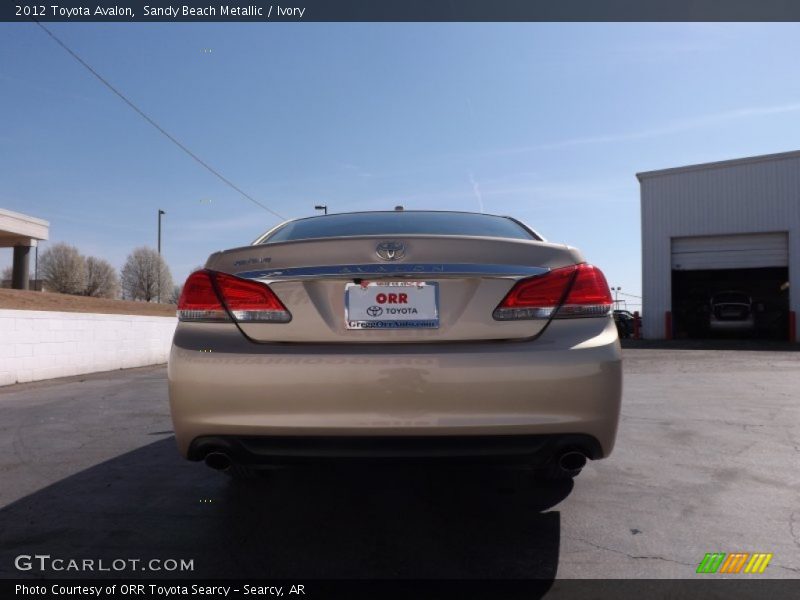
{"points": [[206, 294], [585, 286]]}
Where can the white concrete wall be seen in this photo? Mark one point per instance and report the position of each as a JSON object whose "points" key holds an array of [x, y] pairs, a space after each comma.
{"points": [[38, 345]]}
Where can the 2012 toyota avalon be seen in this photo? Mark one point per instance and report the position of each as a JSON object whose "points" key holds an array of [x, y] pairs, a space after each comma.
{"points": [[396, 334]]}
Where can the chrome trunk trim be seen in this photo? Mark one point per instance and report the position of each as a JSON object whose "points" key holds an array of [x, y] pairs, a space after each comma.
{"points": [[409, 270]]}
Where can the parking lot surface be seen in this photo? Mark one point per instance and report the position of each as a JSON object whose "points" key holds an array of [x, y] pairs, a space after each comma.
{"points": [[707, 460]]}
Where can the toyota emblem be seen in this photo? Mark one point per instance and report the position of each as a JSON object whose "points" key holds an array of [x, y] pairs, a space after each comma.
{"points": [[390, 250]]}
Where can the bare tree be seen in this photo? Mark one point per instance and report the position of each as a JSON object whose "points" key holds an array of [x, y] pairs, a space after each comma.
{"points": [[6, 277], [63, 269], [101, 278], [144, 275], [175, 295]]}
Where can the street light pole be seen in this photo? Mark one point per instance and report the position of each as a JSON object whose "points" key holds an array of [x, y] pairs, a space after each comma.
{"points": [[160, 212], [322, 207], [158, 292]]}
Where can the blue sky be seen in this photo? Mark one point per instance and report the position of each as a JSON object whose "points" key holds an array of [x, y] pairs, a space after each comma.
{"points": [[545, 122]]}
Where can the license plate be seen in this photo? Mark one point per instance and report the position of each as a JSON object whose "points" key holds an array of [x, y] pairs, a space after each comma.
{"points": [[392, 305]]}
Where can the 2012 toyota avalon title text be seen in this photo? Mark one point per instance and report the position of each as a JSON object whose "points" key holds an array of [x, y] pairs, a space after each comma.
{"points": [[182, 11]]}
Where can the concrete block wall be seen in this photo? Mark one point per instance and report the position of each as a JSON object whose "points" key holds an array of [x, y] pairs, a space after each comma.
{"points": [[38, 345]]}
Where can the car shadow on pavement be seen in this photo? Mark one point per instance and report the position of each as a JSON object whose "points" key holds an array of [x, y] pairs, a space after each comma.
{"points": [[339, 521]]}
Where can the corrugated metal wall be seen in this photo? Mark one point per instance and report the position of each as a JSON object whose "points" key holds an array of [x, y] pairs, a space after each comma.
{"points": [[738, 251], [747, 196]]}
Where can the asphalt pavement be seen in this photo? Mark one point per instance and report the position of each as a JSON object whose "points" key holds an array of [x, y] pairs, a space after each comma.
{"points": [[707, 460]]}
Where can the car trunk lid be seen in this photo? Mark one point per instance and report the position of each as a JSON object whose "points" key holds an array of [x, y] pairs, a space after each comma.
{"points": [[454, 283]]}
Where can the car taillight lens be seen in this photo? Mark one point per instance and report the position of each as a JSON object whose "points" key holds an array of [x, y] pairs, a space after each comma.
{"points": [[199, 301], [539, 297], [249, 301]]}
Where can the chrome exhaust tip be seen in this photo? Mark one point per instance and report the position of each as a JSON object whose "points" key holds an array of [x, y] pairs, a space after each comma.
{"points": [[219, 461], [572, 462]]}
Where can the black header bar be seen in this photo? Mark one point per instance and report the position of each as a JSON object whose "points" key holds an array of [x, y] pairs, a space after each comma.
{"points": [[700, 586], [401, 10]]}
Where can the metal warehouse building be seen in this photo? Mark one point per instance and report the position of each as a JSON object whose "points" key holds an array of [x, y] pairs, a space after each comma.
{"points": [[716, 228]]}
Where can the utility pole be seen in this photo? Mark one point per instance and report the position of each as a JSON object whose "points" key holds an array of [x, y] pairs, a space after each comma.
{"points": [[158, 292], [616, 296], [160, 212]]}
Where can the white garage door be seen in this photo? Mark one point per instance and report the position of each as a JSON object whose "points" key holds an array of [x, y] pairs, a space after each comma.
{"points": [[741, 251]]}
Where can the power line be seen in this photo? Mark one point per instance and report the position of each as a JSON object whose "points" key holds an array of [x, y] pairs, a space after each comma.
{"points": [[631, 295], [142, 114]]}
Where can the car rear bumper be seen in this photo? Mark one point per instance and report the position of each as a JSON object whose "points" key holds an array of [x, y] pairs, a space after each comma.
{"points": [[280, 450], [316, 398]]}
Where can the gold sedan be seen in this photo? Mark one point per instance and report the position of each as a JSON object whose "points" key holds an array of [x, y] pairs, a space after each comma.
{"points": [[396, 334]]}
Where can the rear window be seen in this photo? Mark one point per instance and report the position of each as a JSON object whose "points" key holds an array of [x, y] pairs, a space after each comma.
{"points": [[400, 223]]}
